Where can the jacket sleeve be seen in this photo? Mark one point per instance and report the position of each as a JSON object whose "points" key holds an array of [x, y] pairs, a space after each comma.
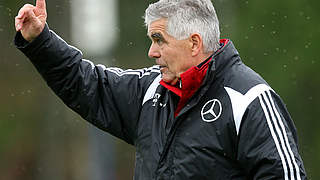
{"points": [[109, 98], [267, 141]]}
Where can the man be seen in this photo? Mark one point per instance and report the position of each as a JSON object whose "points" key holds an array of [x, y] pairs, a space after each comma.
{"points": [[200, 113]]}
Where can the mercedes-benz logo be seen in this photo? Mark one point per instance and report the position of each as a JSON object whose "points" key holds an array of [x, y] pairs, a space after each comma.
{"points": [[211, 111]]}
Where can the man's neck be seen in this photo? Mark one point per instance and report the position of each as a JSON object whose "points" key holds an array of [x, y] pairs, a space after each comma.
{"points": [[202, 58]]}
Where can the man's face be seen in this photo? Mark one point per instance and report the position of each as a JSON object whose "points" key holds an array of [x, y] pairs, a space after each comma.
{"points": [[171, 54]]}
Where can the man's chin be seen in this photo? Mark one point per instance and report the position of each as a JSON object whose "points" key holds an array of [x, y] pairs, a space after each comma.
{"points": [[171, 81]]}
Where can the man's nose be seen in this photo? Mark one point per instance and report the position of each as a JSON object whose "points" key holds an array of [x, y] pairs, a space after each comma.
{"points": [[153, 51]]}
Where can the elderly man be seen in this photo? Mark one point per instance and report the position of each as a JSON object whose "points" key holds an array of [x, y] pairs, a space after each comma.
{"points": [[200, 113]]}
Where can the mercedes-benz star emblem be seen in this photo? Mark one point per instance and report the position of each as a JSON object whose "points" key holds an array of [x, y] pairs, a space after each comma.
{"points": [[211, 111]]}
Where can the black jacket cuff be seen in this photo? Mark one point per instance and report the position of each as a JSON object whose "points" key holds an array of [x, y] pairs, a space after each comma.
{"points": [[30, 47]]}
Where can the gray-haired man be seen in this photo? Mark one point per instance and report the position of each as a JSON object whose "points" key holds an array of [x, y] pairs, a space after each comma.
{"points": [[200, 113]]}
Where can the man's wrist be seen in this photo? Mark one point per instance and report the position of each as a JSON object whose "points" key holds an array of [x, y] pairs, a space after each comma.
{"points": [[21, 43], [35, 35]]}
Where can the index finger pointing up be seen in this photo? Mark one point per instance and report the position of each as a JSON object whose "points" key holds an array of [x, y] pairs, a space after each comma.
{"points": [[41, 4]]}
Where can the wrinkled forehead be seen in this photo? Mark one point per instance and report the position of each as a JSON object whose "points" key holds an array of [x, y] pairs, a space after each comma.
{"points": [[159, 25]]}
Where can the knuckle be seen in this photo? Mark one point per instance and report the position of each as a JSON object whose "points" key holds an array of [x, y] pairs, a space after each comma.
{"points": [[26, 7]]}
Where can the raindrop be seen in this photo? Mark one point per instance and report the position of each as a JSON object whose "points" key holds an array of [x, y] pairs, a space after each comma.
{"points": [[273, 13], [273, 21], [262, 25], [284, 51], [285, 17], [313, 62], [301, 13], [251, 27], [265, 54], [273, 32], [277, 49], [246, 37], [310, 98], [247, 2], [285, 67], [8, 9], [12, 94], [29, 91], [308, 18], [130, 44], [296, 58]]}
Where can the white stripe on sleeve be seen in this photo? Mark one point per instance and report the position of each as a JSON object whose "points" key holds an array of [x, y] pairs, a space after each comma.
{"points": [[284, 133], [280, 135], [274, 136]]}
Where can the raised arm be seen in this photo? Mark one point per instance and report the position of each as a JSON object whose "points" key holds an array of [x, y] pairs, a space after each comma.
{"points": [[109, 98]]}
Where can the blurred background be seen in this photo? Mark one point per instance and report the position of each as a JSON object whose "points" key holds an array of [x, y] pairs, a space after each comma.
{"points": [[40, 138]]}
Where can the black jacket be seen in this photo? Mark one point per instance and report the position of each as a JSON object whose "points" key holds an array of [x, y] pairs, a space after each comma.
{"points": [[235, 127]]}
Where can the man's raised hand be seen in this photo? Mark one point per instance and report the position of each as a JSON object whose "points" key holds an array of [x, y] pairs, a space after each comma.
{"points": [[31, 20]]}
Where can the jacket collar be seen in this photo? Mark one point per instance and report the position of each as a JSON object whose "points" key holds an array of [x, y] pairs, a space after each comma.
{"points": [[224, 56]]}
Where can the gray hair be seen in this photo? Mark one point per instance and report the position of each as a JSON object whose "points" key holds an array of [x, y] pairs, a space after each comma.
{"points": [[185, 17]]}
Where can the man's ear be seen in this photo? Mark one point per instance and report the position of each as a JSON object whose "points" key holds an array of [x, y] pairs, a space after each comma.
{"points": [[196, 43]]}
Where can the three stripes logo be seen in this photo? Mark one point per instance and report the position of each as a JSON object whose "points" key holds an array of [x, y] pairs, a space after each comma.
{"points": [[280, 137]]}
